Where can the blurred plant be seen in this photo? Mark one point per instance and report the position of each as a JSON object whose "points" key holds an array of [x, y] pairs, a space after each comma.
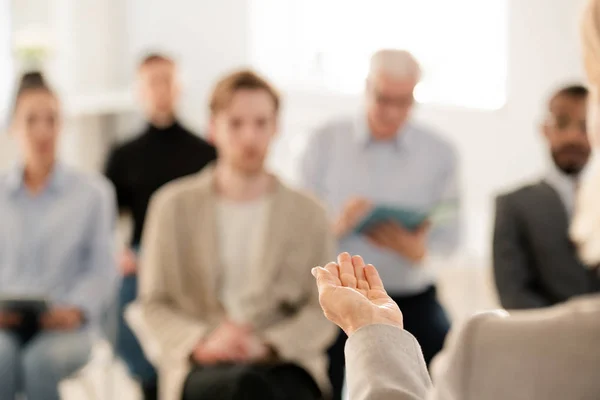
{"points": [[31, 48]]}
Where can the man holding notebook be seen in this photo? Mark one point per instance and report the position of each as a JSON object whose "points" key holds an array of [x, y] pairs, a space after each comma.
{"points": [[398, 166]]}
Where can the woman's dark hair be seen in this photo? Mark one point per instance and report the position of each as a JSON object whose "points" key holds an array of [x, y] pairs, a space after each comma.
{"points": [[29, 82]]}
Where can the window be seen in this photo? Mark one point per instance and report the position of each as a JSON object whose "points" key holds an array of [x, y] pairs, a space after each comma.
{"points": [[5, 60], [325, 45]]}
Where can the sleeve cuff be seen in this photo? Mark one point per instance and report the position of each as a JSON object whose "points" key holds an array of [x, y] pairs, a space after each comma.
{"points": [[379, 340]]}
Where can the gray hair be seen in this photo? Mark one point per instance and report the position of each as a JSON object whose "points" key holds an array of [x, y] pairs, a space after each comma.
{"points": [[397, 63]]}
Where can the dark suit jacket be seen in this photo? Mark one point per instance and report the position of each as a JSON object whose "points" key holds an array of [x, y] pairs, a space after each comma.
{"points": [[535, 263]]}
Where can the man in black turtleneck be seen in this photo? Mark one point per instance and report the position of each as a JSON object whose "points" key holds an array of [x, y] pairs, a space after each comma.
{"points": [[164, 151]]}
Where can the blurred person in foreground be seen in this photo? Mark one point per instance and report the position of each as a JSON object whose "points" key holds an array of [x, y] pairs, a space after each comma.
{"points": [[165, 150], [535, 261], [226, 295], [396, 162], [56, 243], [546, 354]]}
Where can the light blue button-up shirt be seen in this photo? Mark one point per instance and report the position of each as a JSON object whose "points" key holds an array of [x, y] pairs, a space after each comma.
{"points": [[417, 170], [59, 243]]}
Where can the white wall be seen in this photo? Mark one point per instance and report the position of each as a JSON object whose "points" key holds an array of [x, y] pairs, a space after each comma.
{"points": [[208, 38], [499, 148]]}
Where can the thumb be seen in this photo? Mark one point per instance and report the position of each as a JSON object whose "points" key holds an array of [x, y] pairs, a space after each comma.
{"points": [[424, 227], [324, 278]]}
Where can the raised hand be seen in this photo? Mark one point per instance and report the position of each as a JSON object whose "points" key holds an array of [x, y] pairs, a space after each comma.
{"points": [[352, 295]]}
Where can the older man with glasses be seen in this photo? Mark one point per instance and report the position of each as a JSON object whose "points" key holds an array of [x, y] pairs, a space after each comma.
{"points": [[396, 163]]}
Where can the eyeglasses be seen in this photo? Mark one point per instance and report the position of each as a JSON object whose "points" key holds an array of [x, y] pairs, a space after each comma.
{"points": [[563, 123], [398, 102]]}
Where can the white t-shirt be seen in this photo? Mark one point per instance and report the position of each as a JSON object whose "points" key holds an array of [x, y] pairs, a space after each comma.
{"points": [[241, 233]]}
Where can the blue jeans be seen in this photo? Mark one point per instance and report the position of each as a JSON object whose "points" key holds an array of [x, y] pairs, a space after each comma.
{"points": [[36, 367], [128, 347]]}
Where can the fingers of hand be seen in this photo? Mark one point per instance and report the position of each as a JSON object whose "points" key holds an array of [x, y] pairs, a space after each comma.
{"points": [[328, 276], [393, 229], [357, 203], [128, 256], [361, 206], [355, 210], [66, 319], [346, 268], [55, 321], [236, 354], [378, 238], [373, 278], [424, 227], [205, 355], [128, 269], [334, 270], [359, 272], [73, 320], [48, 321], [362, 211], [237, 350], [212, 350]]}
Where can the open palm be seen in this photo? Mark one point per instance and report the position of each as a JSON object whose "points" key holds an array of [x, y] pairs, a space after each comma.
{"points": [[352, 295]]}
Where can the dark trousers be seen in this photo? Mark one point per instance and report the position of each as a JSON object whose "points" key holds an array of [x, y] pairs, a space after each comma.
{"points": [[424, 317], [128, 347], [250, 382]]}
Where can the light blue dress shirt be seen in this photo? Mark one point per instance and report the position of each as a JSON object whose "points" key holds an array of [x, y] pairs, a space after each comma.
{"points": [[59, 243], [417, 169]]}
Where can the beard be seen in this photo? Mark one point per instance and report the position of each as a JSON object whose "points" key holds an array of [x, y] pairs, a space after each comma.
{"points": [[249, 164], [571, 159]]}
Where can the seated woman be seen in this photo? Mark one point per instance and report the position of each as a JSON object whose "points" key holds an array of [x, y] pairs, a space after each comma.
{"points": [[56, 244]]}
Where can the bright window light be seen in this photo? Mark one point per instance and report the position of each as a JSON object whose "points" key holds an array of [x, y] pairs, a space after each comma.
{"points": [[325, 45]]}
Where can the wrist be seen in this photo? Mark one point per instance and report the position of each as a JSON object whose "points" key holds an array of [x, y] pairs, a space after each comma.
{"points": [[370, 318], [355, 323]]}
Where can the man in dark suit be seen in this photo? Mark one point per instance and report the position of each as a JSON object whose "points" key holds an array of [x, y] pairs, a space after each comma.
{"points": [[535, 263]]}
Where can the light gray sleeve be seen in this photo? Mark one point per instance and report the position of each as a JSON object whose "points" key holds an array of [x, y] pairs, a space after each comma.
{"points": [[385, 363]]}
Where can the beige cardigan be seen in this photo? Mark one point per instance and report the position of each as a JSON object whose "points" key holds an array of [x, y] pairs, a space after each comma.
{"points": [[546, 354], [179, 277]]}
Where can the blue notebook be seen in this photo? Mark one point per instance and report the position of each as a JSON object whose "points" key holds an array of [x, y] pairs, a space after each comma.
{"points": [[409, 219]]}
